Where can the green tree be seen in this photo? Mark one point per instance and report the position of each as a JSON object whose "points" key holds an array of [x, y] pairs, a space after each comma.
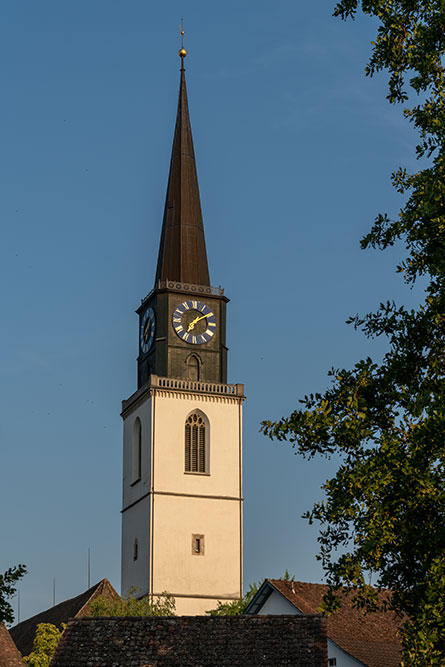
{"points": [[383, 511], [45, 644], [158, 605], [8, 588], [238, 607]]}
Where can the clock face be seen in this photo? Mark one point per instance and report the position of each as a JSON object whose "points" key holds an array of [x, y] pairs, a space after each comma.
{"points": [[147, 332], [194, 322]]}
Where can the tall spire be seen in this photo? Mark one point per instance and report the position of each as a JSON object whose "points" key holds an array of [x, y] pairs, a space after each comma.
{"points": [[182, 251]]}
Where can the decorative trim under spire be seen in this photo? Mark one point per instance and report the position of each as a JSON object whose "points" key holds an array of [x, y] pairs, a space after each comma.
{"points": [[182, 251]]}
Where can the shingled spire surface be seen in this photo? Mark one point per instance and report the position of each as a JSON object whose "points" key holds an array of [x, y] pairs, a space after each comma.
{"points": [[182, 251]]}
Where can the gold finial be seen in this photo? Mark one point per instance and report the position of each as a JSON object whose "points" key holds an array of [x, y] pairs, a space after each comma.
{"points": [[182, 52]]}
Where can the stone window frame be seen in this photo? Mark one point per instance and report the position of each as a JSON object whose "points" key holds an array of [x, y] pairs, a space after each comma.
{"points": [[188, 365], [198, 544]]}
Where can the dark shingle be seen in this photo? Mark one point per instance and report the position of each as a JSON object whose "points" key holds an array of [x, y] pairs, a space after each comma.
{"points": [[194, 641]]}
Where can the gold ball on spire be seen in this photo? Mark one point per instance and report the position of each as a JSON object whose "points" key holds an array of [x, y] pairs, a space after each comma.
{"points": [[182, 53]]}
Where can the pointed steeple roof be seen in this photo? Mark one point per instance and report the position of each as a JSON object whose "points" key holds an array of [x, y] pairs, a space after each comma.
{"points": [[182, 251]]}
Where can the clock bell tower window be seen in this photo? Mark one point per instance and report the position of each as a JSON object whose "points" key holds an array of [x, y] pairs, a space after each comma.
{"points": [[196, 436]]}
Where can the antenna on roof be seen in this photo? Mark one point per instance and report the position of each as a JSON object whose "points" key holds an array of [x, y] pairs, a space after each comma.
{"points": [[17, 595], [89, 567], [54, 591]]}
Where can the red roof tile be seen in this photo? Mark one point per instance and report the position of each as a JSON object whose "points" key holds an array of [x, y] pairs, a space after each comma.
{"points": [[371, 638], [9, 655]]}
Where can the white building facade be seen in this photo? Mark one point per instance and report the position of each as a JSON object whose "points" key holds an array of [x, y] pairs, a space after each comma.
{"points": [[277, 604], [182, 530], [354, 638]]}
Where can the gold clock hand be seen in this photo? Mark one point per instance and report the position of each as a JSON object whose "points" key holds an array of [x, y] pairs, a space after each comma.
{"points": [[196, 320], [203, 317], [192, 324]]}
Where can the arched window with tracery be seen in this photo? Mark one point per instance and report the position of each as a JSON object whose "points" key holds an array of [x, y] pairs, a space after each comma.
{"points": [[196, 433], [136, 463]]}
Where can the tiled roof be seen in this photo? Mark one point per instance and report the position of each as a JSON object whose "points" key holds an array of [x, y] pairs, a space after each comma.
{"points": [[371, 638], [23, 633], [194, 641], [9, 655]]}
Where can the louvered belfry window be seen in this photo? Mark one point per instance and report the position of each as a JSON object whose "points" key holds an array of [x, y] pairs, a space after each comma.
{"points": [[195, 444]]}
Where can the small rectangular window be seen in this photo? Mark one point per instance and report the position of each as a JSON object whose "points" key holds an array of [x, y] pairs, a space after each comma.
{"points": [[198, 545], [332, 662]]}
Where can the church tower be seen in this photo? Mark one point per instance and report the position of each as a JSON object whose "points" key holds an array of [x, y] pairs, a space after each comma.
{"points": [[182, 462]]}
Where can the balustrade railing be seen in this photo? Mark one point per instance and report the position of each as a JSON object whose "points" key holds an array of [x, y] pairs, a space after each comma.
{"points": [[185, 287], [197, 385]]}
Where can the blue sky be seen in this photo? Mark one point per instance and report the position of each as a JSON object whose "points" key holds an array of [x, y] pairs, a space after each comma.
{"points": [[294, 147]]}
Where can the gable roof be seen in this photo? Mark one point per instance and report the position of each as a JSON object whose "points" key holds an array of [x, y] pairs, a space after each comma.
{"points": [[370, 638], [195, 641], [9, 655], [23, 633]]}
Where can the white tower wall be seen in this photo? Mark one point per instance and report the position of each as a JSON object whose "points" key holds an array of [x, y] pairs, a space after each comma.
{"points": [[167, 507]]}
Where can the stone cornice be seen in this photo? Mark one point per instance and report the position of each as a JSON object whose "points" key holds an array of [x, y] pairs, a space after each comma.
{"points": [[170, 387]]}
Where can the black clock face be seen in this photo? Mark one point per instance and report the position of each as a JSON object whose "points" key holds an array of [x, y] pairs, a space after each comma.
{"points": [[147, 331], [194, 322]]}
